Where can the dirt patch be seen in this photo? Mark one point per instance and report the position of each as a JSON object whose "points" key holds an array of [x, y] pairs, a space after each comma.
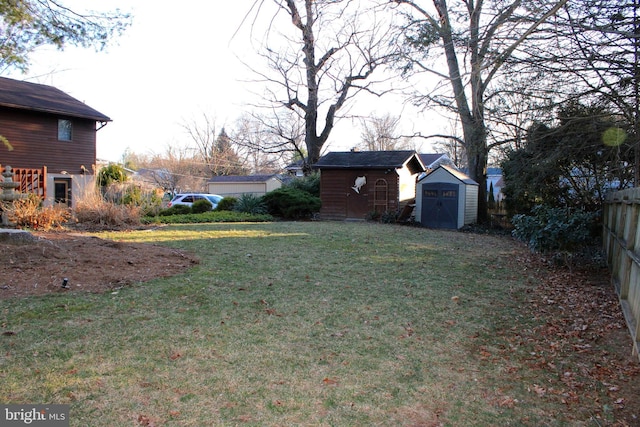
{"points": [[40, 264]]}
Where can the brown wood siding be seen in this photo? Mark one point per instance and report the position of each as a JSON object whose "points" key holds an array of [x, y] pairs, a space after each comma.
{"points": [[332, 194], [335, 191], [34, 138]]}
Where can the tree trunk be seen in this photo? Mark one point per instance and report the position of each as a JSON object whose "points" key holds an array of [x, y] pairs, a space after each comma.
{"points": [[473, 126]]}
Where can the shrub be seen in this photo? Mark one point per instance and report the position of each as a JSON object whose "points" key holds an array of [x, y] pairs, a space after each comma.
{"points": [[213, 216], [291, 203], [175, 210], [29, 213], [385, 217], [150, 201], [555, 229], [110, 174], [201, 206], [226, 204], [250, 203], [310, 184], [92, 208]]}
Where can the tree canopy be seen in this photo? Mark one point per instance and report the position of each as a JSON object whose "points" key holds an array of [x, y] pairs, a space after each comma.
{"points": [[572, 163], [28, 24]]}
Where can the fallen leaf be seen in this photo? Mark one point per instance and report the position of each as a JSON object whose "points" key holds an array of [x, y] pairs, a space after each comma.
{"points": [[540, 391], [175, 355], [329, 381]]}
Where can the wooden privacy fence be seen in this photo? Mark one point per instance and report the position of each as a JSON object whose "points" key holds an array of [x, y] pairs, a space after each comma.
{"points": [[31, 180], [621, 241]]}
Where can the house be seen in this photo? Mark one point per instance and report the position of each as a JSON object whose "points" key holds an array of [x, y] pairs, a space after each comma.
{"points": [[494, 179], [237, 185], [49, 132], [356, 183], [433, 160], [446, 198], [296, 168]]}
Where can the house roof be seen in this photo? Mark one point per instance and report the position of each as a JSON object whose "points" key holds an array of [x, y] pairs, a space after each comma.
{"points": [[242, 178], [370, 160], [461, 176], [430, 158], [28, 96]]}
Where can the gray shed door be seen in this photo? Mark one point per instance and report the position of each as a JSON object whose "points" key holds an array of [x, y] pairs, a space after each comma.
{"points": [[440, 205]]}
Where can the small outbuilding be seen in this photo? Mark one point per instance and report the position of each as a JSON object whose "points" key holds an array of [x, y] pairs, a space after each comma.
{"points": [[446, 198], [237, 185], [354, 184]]}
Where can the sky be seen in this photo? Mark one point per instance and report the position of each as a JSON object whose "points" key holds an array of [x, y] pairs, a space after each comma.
{"points": [[173, 65]]}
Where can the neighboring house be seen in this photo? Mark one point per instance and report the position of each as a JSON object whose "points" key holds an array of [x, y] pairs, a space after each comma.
{"points": [[295, 168], [49, 131], [433, 160], [494, 176], [356, 183], [237, 185], [446, 198]]}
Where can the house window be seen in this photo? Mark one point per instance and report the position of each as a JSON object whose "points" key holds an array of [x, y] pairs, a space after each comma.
{"points": [[65, 130]]}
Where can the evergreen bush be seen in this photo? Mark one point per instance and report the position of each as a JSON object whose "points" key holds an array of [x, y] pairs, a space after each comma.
{"points": [[291, 203], [226, 204], [201, 206], [175, 210], [550, 229], [250, 203]]}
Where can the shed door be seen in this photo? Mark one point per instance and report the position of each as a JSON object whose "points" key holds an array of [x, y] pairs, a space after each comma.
{"points": [[440, 205]]}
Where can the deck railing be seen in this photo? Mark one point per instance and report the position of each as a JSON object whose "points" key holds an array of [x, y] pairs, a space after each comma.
{"points": [[32, 181]]}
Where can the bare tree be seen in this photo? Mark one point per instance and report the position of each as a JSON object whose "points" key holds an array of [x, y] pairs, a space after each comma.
{"points": [[317, 64], [251, 138], [380, 133], [176, 170], [476, 38], [215, 150]]}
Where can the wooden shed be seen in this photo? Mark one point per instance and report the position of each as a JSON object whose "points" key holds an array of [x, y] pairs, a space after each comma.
{"points": [[446, 198], [237, 185], [356, 183]]}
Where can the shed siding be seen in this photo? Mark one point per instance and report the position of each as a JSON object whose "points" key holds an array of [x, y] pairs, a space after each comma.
{"points": [[467, 200], [339, 199], [332, 194], [34, 138], [471, 206], [407, 185]]}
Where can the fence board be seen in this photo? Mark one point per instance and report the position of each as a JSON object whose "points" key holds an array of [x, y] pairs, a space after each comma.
{"points": [[621, 242]]}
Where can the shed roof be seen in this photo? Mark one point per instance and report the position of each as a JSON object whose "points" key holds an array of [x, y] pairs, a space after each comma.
{"points": [[459, 175], [242, 178], [370, 160], [28, 96]]}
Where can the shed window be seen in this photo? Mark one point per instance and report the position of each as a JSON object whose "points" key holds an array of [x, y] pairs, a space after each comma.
{"points": [[65, 130]]}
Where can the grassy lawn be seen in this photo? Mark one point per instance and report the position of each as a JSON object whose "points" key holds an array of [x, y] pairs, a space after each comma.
{"points": [[310, 324]]}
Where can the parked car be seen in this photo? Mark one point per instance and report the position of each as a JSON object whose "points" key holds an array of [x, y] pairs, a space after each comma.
{"points": [[188, 199]]}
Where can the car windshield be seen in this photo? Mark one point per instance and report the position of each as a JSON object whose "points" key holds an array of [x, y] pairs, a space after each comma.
{"points": [[214, 199]]}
